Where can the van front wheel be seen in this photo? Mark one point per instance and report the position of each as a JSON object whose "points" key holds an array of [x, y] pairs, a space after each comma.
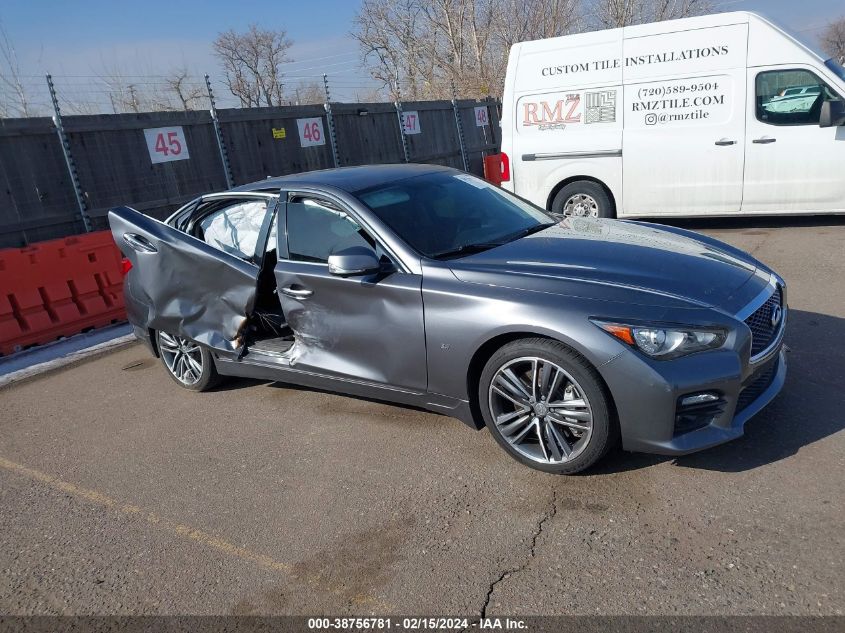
{"points": [[583, 198]]}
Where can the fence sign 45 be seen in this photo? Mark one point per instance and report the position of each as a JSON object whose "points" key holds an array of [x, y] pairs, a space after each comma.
{"points": [[166, 144]]}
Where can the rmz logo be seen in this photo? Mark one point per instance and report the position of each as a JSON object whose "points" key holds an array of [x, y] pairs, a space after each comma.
{"points": [[777, 315], [544, 114]]}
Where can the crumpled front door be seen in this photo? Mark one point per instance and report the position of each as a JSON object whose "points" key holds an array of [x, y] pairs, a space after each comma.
{"points": [[181, 285]]}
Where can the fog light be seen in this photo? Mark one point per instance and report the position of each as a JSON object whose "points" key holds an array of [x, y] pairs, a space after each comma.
{"points": [[697, 410], [698, 398]]}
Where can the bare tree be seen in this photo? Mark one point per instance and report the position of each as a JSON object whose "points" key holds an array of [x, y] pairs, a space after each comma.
{"points": [[187, 91], [422, 48], [124, 93], [833, 39], [389, 32], [308, 93], [144, 91], [14, 100], [608, 14], [252, 64]]}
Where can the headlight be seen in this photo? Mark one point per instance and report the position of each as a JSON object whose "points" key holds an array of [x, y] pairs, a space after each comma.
{"points": [[665, 342]]}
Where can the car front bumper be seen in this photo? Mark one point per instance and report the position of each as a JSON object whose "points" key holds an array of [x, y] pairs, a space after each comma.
{"points": [[647, 397]]}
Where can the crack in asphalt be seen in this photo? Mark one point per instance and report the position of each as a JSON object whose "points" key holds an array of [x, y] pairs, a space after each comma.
{"points": [[550, 513]]}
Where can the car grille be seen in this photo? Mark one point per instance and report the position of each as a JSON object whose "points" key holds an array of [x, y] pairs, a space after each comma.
{"points": [[763, 333], [760, 382]]}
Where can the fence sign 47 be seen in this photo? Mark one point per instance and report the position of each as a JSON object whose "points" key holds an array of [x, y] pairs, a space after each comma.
{"points": [[411, 122], [166, 144]]}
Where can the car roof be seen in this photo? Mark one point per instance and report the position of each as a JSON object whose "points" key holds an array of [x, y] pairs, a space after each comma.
{"points": [[349, 179]]}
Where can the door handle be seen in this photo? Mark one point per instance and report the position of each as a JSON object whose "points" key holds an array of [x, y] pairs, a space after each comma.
{"points": [[764, 141], [724, 142], [296, 293], [139, 243]]}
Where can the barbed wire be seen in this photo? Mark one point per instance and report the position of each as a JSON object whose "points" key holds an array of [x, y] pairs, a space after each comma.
{"points": [[137, 92]]}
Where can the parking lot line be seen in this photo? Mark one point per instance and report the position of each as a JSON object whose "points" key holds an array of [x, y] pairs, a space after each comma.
{"points": [[178, 529], [174, 527]]}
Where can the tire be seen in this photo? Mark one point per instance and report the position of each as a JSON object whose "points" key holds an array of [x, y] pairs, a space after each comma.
{"points": [[196, 372], [572, 386], [583, 198]]}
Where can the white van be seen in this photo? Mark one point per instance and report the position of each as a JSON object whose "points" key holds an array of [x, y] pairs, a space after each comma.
{"points": [[715, 115]]}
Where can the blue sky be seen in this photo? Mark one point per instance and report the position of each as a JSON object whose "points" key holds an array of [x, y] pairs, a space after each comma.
{"points": [[81, 37]]}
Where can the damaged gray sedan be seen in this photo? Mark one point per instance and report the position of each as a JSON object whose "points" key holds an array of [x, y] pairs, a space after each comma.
{"points": [[423, 285]]}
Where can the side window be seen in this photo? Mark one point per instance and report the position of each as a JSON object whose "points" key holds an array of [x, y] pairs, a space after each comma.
{"points": [[234, 227], [316, 229], [791, 97]]}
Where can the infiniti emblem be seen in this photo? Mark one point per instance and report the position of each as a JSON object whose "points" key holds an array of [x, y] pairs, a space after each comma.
{"points": [[777, 314]]}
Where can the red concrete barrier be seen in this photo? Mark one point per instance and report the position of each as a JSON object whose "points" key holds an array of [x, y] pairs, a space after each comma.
{"points": [[58, 288]]}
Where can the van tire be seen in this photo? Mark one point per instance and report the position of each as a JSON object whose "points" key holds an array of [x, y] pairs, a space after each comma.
{"points": [[583, 198]]}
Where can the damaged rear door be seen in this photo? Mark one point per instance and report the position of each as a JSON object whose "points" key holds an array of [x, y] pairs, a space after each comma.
{"points": [[182, 285]]}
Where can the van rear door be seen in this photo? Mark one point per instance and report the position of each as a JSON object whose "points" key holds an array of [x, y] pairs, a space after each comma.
{"points": [[684, 136], [565, 106]]}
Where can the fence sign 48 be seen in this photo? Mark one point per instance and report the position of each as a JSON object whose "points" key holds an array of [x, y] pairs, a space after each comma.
{"points": [[482, 116], [166, 144]]}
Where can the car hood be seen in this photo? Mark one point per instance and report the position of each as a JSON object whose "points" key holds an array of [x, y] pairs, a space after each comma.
{"points": [[616, 260]]}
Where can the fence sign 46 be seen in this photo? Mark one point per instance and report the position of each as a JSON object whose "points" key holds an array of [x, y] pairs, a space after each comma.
{"points": [[311, 131], [166, 144]]}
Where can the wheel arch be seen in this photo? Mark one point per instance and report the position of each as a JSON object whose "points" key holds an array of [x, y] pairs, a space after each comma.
{"points": [[154, 342], [489, 347], [568, 181]]}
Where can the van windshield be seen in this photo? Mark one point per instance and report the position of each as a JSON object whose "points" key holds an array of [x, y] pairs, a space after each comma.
{"points": [[836, 67]]}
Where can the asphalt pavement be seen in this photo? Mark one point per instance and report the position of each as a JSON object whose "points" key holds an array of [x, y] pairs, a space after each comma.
{"points": [[122, 494]]}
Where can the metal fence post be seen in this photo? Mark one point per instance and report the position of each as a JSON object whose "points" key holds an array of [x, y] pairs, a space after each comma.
{"points": [[218, 133], [459, 126], [498, 118], [330, 120], [398, 105], [71, 166]]}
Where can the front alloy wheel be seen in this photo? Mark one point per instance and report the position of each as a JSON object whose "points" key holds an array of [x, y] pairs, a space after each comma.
{"points": [[546, 406], [541, 410], [189, 364]]}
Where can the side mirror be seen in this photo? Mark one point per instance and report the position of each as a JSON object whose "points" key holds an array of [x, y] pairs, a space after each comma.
{"points": [[354, 261], [833, 114]]}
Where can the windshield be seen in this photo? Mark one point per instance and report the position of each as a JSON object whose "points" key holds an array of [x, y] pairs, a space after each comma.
{"points": [[836, 67], [446, 214]]}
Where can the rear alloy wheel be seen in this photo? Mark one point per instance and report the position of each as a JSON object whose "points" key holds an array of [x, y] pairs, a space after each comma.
{"points": [[188, 363], [583, 199], [546, 406]]}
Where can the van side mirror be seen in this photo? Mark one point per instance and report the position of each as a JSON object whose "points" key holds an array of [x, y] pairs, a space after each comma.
{"points": [[354, 261], [833, 114]]}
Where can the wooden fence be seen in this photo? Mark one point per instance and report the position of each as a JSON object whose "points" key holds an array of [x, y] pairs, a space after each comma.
{"points": [[113, 159]]}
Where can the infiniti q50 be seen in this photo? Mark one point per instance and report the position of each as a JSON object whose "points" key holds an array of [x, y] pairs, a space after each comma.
{"points": [[424, 285]]}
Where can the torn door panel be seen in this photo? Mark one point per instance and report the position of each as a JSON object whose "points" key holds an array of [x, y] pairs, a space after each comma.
{"points": [[180, 284]]}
